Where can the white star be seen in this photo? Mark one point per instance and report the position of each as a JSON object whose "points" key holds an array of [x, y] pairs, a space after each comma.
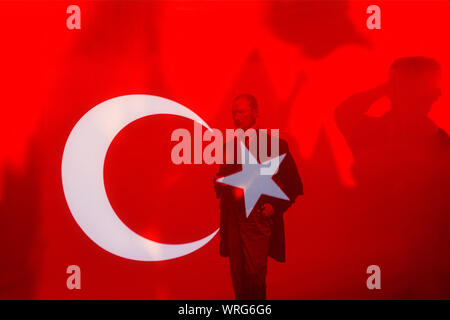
{"points": [[253, 182]]}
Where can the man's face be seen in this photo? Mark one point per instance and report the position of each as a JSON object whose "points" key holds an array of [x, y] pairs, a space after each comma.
{"points": [[244, 116]]}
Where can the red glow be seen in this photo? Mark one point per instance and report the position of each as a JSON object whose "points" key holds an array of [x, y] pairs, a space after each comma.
{"points": [[201, 54]]}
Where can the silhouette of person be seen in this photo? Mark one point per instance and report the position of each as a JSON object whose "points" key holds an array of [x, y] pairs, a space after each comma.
{"points": [[403, 137], [248, 241], [401, 168]]}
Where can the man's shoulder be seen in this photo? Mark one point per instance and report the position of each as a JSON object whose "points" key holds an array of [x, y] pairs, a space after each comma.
{"points": [[283, 145]]}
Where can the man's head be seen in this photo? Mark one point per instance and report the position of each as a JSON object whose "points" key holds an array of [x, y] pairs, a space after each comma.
{"points": [[245, 111], [414, 85]]}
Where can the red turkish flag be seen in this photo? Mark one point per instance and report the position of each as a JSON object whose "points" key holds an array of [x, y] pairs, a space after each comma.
{"points": [[201, 55]]}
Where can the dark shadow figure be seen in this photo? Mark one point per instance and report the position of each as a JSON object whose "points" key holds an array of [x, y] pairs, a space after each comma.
{"points": [[401, 166], [19, 209]]}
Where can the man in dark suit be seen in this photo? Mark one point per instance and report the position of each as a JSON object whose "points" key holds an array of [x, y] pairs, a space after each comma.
{"points": [[249, 236]]}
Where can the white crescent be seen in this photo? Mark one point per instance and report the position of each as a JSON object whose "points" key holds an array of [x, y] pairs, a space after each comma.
{"points": [[83, 184]]}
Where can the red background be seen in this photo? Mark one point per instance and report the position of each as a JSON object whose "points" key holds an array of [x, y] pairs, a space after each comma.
{"points": [[300, 59]]}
